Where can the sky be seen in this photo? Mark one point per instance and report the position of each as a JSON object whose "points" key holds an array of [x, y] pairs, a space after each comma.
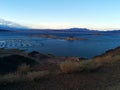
{"points": [[92, 14]]}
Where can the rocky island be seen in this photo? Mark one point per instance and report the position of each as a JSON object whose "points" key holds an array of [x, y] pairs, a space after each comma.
{"points": [[69, 38]]}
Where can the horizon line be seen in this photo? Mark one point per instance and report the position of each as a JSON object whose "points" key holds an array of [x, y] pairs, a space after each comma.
{"points": [[63, 26]]}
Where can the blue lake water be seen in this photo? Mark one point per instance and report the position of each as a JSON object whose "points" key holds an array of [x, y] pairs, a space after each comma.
{"points": [[95, 45]]}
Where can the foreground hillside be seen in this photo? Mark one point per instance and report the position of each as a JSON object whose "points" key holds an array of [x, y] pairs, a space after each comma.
{"points": [[104, 79], [71, 73]]}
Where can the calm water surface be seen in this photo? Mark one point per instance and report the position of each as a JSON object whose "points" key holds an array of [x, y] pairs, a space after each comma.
{"points": [[95, 45]]}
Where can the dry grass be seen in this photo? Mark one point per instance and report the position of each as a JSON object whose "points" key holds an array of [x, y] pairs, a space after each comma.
{"points": [[24, 68], [89, 65], [107, 59], [36, 75], [73, 66], [103, 60], [116, 58], [10, 78], [69, 66], [17, 78]]}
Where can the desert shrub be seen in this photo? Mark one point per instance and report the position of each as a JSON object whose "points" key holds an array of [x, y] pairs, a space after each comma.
{"points": [[23, 69], [69, 66], [73, 66]]}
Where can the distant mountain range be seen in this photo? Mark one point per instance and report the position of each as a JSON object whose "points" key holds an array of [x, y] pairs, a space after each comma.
{"points": [[8, 25], [69, 29], [74, 30]]}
